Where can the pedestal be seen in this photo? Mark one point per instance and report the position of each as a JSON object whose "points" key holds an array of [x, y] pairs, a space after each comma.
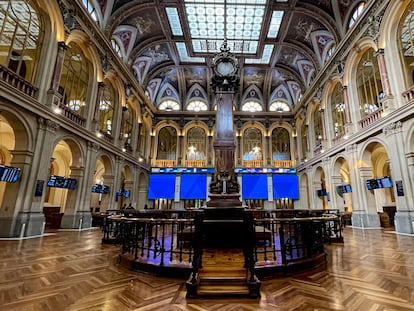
{"points": [[224, 200], [223, 227]]}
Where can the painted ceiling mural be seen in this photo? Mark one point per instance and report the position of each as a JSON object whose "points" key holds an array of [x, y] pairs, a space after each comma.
{"points": [[159, 47]]}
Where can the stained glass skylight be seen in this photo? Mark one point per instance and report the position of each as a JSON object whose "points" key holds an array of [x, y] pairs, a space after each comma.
{"points": [[240, 21]]}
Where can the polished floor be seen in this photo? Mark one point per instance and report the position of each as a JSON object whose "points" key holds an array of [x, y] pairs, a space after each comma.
{"points": [[72, 270]]}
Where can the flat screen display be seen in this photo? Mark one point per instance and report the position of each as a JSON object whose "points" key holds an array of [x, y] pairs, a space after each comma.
{"points": [[62, 182], [193, 186], [9, 174], [254, 186], [285, 186], [385, 182], [321, 192], [97, 188], [161, 186], [372, 184]]}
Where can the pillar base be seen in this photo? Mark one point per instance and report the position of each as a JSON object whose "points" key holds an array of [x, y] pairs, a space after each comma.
{"points": [[361, 219], [25, 224], [404, 222], [81, 220]]}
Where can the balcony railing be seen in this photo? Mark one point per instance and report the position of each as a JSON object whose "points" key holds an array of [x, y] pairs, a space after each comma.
{"points": [[196, 163], [371, 118], [337, 139], [165, 163], [253, 163], [16, 81], [108, 137], [282, 163], [409, 94], [71, 115]]}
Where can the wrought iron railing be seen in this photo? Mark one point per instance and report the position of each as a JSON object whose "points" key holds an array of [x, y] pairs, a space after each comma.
{"points": [[175, 238]]}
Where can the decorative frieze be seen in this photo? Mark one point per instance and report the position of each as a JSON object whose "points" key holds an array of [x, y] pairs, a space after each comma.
{"points": [[48, 125], [392, 128]]}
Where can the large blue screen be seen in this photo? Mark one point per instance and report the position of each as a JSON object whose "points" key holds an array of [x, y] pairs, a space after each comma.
{"points": [[254, 186], [193, 186], [161, 186], [285, 186]]}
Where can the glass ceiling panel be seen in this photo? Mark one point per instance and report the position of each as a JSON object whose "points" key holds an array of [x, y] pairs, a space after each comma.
{"points": [[240, 21], [174, 21], [275, 24], [267, 54], [184, 57]]}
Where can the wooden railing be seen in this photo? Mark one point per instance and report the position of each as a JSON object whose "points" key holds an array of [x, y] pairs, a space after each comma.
{"points": [[371, 118], [282, 163], [253, 163], [16, 81], [165, 163], [196, 163]]}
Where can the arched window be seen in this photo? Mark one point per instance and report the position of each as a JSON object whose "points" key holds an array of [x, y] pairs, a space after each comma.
{"points": [[252, 144], [106, 109], [169, 105], [369, 85], [407, 44], [196, 144], [21, 38], [280, 144], [74, 79], [279, 106], [252, 106], [167, 143], [356, 14], [338, 110], [197, 105], [91, 9]]}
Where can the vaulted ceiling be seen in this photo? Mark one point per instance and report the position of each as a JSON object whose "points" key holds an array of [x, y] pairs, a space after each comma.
{"points": [[170, 59]]}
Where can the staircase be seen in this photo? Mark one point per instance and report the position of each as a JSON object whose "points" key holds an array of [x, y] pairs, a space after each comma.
{"points": [[223, 281]]}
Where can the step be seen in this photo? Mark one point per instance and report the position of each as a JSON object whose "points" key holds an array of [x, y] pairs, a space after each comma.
{"points": [[222, 281], [210, 285]]}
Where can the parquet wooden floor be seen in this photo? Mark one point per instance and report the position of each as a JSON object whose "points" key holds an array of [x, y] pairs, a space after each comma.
{"points": [[73, 271]]}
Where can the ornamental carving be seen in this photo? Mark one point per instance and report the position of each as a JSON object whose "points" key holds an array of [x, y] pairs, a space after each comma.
{"points": [[392, 128]]}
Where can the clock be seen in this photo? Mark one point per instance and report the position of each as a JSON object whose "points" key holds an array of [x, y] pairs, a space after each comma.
{"points": [[226, 67]]}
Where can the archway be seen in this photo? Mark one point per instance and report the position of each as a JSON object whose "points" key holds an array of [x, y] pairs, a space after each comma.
{"points": [[341, 185]]}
